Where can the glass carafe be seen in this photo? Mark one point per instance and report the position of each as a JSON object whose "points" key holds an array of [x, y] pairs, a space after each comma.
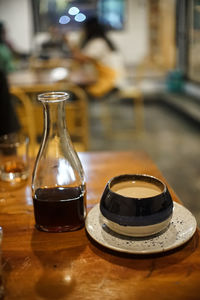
{"points": [[58, 183]]}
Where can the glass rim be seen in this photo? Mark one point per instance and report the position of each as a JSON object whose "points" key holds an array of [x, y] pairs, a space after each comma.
{"points": [[13, 139], [53, 97]]}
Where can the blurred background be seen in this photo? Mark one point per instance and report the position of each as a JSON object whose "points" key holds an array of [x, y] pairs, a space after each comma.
{"points": [[132, 68]]}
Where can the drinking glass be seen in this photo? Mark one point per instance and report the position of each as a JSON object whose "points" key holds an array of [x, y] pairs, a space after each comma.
{"points": [[14, 161]]}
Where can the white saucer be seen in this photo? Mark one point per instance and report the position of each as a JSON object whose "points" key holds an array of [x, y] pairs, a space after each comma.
{"points": [[181, 228]]}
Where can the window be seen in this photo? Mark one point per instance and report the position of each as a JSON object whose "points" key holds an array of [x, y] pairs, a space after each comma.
{"points": [[194, 41], [111, 13], [69, 15], [188, 38]]}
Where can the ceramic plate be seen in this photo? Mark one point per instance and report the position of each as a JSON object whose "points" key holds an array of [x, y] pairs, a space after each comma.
{"points": [[181, 228]]}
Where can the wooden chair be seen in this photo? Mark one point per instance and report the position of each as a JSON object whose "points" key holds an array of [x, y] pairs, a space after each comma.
{"points": [[23, 108], [135, 94], [30, 114]]}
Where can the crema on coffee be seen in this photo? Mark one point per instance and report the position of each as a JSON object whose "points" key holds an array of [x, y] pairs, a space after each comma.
{"points": [[136, 189]]}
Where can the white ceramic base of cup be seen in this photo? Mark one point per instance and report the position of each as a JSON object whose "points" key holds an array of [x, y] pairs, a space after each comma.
{"points": [[137, 231]]}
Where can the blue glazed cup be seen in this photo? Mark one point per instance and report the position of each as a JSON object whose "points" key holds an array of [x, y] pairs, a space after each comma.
{"points": [[136, 205]]}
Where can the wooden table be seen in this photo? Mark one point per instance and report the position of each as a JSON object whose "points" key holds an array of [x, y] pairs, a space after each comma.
{"points": [[38, 265], [28, 79]]}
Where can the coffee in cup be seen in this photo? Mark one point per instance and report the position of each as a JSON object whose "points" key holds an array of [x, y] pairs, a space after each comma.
{"points": [[136, 205], [136, 189]]}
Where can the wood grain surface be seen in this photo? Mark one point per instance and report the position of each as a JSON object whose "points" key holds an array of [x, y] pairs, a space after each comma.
{"points": [[39, 265]]}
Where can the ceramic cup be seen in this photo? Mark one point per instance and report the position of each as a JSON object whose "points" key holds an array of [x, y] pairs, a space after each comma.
{"points": [[136, 205]]}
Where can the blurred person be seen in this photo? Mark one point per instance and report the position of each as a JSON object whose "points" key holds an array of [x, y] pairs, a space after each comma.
{"points": [[6, 55], [8, 119], [97, 48]]}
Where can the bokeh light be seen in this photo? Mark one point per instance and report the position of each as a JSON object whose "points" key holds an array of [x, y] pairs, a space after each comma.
{"points": [[73, 11], [80, 17], [64, 20]]}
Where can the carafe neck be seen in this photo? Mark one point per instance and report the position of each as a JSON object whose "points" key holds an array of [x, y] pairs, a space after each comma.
{"points": [[54, 119]]}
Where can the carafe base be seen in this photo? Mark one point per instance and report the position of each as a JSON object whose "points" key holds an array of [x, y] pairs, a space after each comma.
{"points": [[55, 229]]}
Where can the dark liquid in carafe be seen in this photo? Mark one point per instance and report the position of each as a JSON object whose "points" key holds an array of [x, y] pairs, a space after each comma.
{"points": [[59, 209]]}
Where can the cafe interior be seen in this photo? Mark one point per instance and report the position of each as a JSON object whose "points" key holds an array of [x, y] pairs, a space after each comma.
{"points": [[139, 93], [155, 104]]}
